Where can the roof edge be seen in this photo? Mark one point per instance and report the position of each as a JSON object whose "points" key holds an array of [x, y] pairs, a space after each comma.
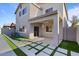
{"points": [[45, 15], [66, 10]]}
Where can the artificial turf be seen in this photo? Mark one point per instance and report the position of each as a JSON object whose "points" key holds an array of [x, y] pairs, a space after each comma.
{"points": [[13, 46], [69, 45]]}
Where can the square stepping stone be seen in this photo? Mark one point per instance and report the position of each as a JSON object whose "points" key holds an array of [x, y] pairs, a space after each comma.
{"points": [[9, 53], [42, 54], [74, 53], [33, 50], [62, 50], [44, 44], [38, 42], [48, 51], [27, 47], [52, 47], [33, 44], [59, 54], [27, 52], [39, 47]]}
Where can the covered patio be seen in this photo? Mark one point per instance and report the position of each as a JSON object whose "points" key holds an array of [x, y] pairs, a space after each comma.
{"points": [[47, 26]]}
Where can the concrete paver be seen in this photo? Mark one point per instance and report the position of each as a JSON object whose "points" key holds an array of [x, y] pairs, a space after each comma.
{"points": [[74, 53], [62, 50], [59, 54], [4, 47], [9, 53]]}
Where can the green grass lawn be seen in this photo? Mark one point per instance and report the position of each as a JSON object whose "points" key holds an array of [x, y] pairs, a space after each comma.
{"points": [[70, 46], [19, 38], [13, 46]]}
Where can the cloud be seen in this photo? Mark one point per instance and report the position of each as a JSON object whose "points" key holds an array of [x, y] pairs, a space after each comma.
{"points": [[73, 12]]}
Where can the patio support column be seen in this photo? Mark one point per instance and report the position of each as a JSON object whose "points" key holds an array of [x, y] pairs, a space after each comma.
{"points": [[56, 29], [31, 32]]}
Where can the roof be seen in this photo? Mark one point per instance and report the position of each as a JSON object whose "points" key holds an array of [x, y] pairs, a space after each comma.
{"points": [[31, 3], [66, 10], [12, 25], [45, 15], [17, 7]]}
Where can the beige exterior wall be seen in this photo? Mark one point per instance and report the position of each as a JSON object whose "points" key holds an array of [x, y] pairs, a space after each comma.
{"points": [[42, 22], [55, 6], [23, 20], [33, 11], [77, 35]]}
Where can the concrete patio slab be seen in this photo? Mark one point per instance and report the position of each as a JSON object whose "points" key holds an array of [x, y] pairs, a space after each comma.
{"points": [[44, 44], [49, 51], [33, 44], [74, 53], [42, 54], [27, 52], [38, 42], [59, 54], [62, 50], [4, 47], [27, 47], [39, 47], [51, 46], [33, 50], [20, 43], [9, 53]]}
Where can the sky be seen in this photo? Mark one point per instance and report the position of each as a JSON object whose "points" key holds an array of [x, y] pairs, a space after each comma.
{"points": [[72, 10], [7, 15], [7, 12]]}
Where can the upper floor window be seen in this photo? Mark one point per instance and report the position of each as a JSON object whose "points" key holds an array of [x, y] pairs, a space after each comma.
{"points": [[49, 10], [20, 6], [20, 13], [24, 11]]}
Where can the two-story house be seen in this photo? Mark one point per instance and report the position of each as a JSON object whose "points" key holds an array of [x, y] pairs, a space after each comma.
{"points": [[41, 20]]}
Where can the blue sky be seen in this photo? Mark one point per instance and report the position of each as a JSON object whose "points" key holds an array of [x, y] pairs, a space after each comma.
{"points": [[72, 5], [73, 10], [7, 12]]}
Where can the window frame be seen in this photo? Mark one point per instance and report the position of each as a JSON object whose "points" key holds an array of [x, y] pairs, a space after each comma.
{"points": [[19, 13], [48, 28], [22, 29], [49, 10], [24, 11]]}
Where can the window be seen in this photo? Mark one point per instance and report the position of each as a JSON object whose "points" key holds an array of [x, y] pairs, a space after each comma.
{"points": [[49, 10], [48, 28], [20, 6], [22, 29], [20, 13], [24, 11]]}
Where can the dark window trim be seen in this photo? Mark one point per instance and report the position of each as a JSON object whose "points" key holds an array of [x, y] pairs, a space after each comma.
{"points": [[49, 10], [23, 11], [20, 13]]}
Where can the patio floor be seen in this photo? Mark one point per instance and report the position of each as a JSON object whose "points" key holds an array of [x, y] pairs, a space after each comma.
{"points": [[42, 49], [39, 48]]}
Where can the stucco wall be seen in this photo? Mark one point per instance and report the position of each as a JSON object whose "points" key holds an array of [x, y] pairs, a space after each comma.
{"points": [[32, 11], [60, 30], [23, 20], [70, 34], [55, 6], [77, 35]]}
